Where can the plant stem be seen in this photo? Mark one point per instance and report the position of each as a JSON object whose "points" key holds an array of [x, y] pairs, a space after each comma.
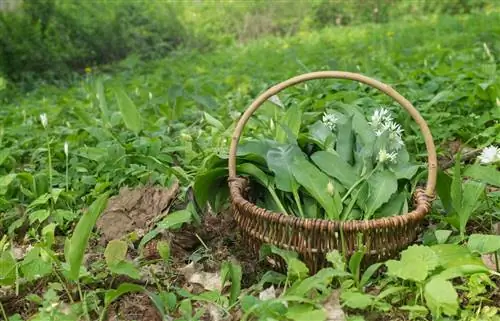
{"points": [[297, 201], [67, 176], [84, 302], [4, 315], [276, 199], [359, 181], [50, 164], [64, 286]]}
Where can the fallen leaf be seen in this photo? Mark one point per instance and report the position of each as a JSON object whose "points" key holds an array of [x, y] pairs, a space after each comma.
{"points": [[333, 308]]}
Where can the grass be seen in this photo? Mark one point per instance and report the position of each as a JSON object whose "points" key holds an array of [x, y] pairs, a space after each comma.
{"points": [[135, 123]]}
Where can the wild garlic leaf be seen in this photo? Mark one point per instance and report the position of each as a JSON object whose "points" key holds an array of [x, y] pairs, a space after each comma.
{"points": [[292, 120], [471, 200], [7, 268], [415, 264], [336, 167], [441, 297], [382, 185], [321, 135], [125, 268], [131, 116], [115, 251], [393, 207], [280, 160], [316, 183], [345, 140]]}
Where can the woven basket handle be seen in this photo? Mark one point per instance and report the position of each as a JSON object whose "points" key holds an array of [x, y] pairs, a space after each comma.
{"points": [[429, 143]]}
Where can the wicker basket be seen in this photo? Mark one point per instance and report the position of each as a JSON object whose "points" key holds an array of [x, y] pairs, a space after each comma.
{"points": [[312, 238]]}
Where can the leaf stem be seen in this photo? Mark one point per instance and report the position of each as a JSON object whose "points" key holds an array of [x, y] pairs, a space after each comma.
{"points": [[359, 181], [277, 200], [84, 302], [4, 315], [297, 201]]}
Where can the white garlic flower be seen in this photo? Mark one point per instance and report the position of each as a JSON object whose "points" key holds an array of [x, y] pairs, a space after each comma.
{"points": [[330, 188], [330, 121], [44, 120], [150, 95], [489, 155], [66, 149], [384, 156], [379, 118]]}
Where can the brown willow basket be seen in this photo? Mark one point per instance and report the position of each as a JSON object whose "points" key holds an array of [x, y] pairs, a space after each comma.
{"points": [[312, 239]]}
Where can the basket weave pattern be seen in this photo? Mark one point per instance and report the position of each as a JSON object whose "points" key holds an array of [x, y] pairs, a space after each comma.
{"points": [[313, 238]]}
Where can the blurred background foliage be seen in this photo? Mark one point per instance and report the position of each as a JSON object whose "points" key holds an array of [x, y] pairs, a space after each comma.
{"points": [[55, 40]]}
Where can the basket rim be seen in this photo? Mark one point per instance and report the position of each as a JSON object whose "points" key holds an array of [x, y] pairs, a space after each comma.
{"points": [[263, 97], [418, 212]]}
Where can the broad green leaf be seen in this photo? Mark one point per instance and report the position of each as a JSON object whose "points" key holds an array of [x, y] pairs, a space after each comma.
{"points": [[461, 271], [280, 160], [306, 314], [336, 167], [320, 134], [470, 202], [441, 297], [355, 263], [483, 244], [360, 125], [48, 234], [393, 207], [163, 249], [129, 112], [7, 268], [487, 174], [316, 184], [345, 140], [296, 268], [456, 185], [451, 255], [292, 120], [115, 251], [405, 171], [356, 300], [443, 189], [176, 219], [255, 172], [102, 101], [81, 234], [124, 288], [213, 121], [442, 235], [5, 182], [38, 216], [4, 154], [125, 268], [369, 273], [35, 265], [319, 281], [382, 185], [232, 271], [206, 183], [415, 264], [336, 259], [416, 311]]}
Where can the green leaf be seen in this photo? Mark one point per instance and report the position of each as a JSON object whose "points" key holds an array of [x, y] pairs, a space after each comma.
{"points": [[382, 185], [81, 234], [369, 273], [456, 185], [125, 268], [48, 234], [206, 183], [443, 189], [345, 140], [356, 300], [124, 288], [115, 251], [441, 297], [213, 121], [320, 134], [280, 160], [7, 268], [451, 255], [336, 259], [393, 207], [296, 268], [176, 219], [483, 244], [487, 174], [355, 264], [129, 111], [38, 216], [255, 172], [470, 202], [5, 182], [35, 265], [442, 235], [164, 250], [461, 271], [336, 167], [232, 271], [102, 101], [292, 120], [415, 264], [305, 313], [319, 281], [316, 183]]}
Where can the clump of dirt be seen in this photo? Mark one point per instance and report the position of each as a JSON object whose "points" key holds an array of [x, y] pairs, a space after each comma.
{"points": [[134, 210], [132, 307]]}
